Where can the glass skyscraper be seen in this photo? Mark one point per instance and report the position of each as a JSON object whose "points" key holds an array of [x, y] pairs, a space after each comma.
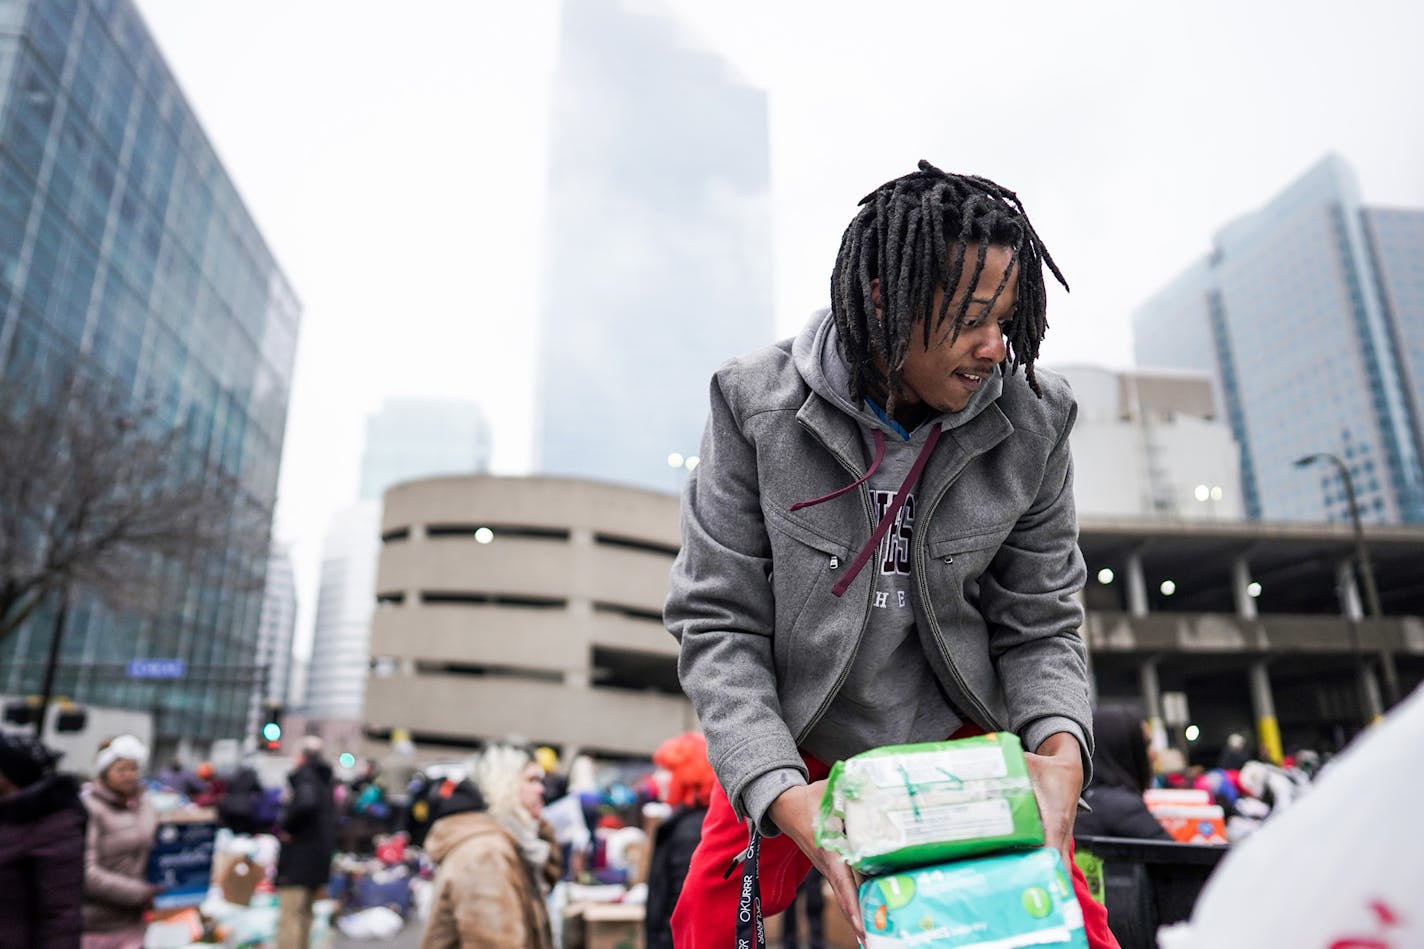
{"points": [[418, 438], [659, 243], [126, 254], [279, 625], [1310, 315]]}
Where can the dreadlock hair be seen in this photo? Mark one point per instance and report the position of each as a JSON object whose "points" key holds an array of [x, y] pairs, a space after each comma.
{"points": [[904, 235]]}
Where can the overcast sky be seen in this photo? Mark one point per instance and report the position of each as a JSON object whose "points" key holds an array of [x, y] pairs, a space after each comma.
{"points": [[393, 155]]}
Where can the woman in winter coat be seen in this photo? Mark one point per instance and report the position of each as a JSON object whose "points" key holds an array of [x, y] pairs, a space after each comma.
{"points": [[41, 848], [689, 789], [120, 836], [493, 880], [1121, 772]]}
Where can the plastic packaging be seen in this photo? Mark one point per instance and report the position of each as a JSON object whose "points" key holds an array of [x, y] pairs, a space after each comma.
{"points": [[1004, 902], [918, 805]]}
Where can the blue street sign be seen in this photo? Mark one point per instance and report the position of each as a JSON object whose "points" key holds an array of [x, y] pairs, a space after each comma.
{"points": [[157, 668]]}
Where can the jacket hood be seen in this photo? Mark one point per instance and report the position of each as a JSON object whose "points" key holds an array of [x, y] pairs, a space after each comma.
{"points": [[817, 355], [447, 833], [54, 792]]}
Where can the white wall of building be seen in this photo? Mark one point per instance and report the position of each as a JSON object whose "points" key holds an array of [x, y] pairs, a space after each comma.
{"points": [[1150, 443]]}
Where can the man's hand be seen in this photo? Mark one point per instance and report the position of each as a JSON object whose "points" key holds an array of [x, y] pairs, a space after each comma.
{"points": [[1056, 772], [795, 813]]}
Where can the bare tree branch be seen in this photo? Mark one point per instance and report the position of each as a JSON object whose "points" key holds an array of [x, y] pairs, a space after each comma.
{"points": [[100, 494]]}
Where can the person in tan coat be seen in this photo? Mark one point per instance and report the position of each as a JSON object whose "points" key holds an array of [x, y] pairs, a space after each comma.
{"points": [[484, 895], [119, 838], [495, 867]]}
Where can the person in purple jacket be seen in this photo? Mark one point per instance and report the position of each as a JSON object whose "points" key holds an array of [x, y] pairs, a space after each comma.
{"points": [[42, 825]]}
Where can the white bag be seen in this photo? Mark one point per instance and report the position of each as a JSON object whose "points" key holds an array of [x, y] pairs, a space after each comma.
{"points": [[1344, 866]]}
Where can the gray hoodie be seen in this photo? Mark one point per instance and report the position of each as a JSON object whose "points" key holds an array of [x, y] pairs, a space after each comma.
{"points": [[766, 646]]}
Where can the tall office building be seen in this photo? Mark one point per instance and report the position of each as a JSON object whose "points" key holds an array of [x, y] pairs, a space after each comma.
{"points": [[1396, 242], [406, 439], [127, 255], [659, 261], [418, 438], [279, 625], [1309, 313], [336, 677], [276, 629], [1151, 443]]}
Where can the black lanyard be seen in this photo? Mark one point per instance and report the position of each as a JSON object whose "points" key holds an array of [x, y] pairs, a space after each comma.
{"points": [[749, 919]]}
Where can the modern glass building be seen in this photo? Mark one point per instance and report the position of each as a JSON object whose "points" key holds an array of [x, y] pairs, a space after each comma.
{"points": [[1309, 313], [659, 265], [419, 438], [279, 625], [276, 627], [127, 254], [1396, 243]]}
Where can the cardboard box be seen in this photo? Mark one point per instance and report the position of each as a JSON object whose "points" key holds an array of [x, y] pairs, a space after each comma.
{"points": [[613, 926], [645, 856], [839, 935], [174, 929], [836, 931], [240, 880], [1193, 824], [1175, 797], [639, 857]]}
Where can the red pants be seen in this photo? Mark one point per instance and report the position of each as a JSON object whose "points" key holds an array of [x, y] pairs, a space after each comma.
{"points": [[705, 917]]}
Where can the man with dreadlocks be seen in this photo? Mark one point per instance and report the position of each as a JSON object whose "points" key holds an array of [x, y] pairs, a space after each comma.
{"points": [[880, 545]]}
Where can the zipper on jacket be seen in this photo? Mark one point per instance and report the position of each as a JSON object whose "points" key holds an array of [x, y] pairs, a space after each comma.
{"points": [[864, 493], [922, 584]]}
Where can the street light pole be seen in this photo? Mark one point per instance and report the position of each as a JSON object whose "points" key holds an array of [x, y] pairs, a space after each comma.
{"points": [[61, 618], [1367, 573]]}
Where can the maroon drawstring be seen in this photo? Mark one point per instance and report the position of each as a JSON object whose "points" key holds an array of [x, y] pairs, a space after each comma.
{"points": [[888, 518], [879, 440]]}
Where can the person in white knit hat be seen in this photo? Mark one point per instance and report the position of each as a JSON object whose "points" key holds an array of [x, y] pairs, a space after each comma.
{"points": [[120, 836]]}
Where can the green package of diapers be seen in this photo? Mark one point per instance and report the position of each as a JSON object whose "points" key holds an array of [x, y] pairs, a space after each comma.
{"points": [[1003, 902], [916, 805]]}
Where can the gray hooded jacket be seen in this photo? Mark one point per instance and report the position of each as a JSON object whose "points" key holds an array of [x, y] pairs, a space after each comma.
{"points": [[765, 645]]}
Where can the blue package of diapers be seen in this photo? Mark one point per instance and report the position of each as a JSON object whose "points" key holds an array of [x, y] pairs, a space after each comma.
{"points": [[1003, 902]]}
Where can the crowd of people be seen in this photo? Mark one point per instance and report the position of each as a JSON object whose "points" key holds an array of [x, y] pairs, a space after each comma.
{"points": [[496, 834], [74, 857], [1247, 789]]}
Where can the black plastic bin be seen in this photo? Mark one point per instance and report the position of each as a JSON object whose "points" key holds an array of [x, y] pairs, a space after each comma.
{"points": [[1149, 883]]}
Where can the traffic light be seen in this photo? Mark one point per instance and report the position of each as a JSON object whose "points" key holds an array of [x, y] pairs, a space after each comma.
{"points": [[271, 731]]}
